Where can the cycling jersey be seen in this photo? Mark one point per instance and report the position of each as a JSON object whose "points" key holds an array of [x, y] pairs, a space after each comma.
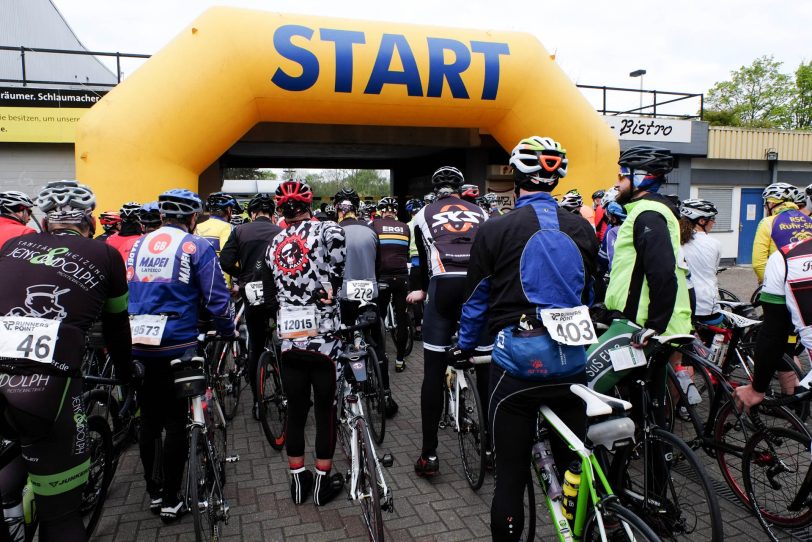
{"points": [[216, 231], [124, 240], [786, 225], [444, 232], [395, 238], [645, 283], [601, 222], [70, 279], [301, 260], [11, 227], [788, 281], [702, 254], [363, 257], [172, 273], [243, 253]]}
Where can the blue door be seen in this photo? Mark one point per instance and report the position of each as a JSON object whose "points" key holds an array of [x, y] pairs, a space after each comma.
{"points": [[750, 214]]}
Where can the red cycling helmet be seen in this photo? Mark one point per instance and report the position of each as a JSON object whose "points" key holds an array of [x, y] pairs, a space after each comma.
{"points": [[293, 191], [469, 192], [109, 218]]}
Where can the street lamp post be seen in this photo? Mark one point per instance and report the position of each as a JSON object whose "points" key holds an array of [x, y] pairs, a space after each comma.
{"points": [[640, 74]]}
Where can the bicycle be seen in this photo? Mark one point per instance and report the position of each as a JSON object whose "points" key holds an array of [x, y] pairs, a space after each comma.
{"points": [[206, 473], [273, 402], [599, 515], [463, 412], [105, 397], [366, 484], [777, 470], [229, 359], [390, 322]]}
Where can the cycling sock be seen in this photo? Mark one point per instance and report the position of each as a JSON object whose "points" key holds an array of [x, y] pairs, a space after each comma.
{"points": [[301, 482], [326, 487]]}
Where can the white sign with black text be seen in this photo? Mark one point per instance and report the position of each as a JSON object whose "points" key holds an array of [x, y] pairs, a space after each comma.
{"points": [[648, 129]]}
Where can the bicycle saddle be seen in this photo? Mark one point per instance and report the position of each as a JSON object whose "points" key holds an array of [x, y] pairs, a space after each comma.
{"points": [[598, 404], [738, 320]]}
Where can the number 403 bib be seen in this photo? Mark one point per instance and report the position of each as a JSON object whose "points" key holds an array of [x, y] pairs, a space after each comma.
{"points": [[572, 327]]}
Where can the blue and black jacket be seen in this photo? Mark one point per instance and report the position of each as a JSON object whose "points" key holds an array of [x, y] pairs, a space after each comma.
{"points": [[537, 256]]}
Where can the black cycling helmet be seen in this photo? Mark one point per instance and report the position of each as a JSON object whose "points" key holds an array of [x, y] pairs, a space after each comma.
{"points": [[220, 200], [347, 194], [598, 194], [130, 212], [150, 214], [388, 203], [262, 202], [653, 160], [447, 179]]}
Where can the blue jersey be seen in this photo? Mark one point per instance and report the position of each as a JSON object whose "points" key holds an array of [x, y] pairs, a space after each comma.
{"points": [[174, 273]]}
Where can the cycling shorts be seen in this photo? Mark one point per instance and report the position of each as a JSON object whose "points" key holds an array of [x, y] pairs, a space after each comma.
{"points": [[446, 296]]}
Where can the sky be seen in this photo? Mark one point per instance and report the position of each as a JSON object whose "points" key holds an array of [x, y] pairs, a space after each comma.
{"points": [[684, 46]]}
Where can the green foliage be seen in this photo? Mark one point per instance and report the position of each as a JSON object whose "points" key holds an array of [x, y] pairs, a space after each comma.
{"points": [[723, 117], [367, 182], [249, 174], [802, 101], [758, 95]]}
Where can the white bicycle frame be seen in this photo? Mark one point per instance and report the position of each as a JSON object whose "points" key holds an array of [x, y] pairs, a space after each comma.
{"points": [[356, 411], [460, 383]]}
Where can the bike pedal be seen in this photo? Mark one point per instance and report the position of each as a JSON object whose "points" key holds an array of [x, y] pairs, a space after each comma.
{"points": [[388, 505], [233, 458], [387, 460]]}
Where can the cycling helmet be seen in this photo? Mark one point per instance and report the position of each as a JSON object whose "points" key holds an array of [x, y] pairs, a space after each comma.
{"points": [[491, 198], [608, 197], [130, 211], [293, 197], [800, 198], [109, 219], [66, 202], [347, 197], [429, 198], [808, 190], [694, 209], [598, 194], [179, 202], [571, 201], [150, 214], [779, 192], [12, 201], [413, 205], [469, 192], [388, 204], [330, 209], [615, 209], [237, 220], [538, 163], [446, 180], [263, 203], [646, 166], [370, 207]]}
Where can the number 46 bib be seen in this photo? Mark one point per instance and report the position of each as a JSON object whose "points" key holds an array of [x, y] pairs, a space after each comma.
{"points": [[33, 339], [572, 327]]}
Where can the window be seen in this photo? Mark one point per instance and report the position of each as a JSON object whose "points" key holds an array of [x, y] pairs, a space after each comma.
{"points": [[722, 198]]}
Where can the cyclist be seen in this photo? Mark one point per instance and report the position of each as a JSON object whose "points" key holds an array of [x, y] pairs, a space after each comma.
{"points": [[395, 238], [242, 256], [111, 222], [444, 232], [601, 220], [469, 192], [800, 201], [807, 210], [786, 304], [535, 258], [124, 239], [304, 266], [16, 209], [645, 283], [572, 202], [783, 225], [363, 264], [493, 204], [429, 198], [238, 220], [150, 217], [172, 274], [56, 308], [412, 207], [615, 214], [483, 203], [702, 254]]}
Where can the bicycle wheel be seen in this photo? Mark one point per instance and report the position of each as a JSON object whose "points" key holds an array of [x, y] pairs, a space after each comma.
{"points": [[471, 435], [227, 380], [100, 474], [217, 434], [679, 415], [747, 352], [663, 482], [776, 464], [619, 524], [409, 334], [374, 398], [731, 435], [204, 493], [727, 295], [369, 489], [529, 504], [273, 404]]}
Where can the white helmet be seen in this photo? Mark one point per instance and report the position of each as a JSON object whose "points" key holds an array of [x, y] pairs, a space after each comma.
{"points": [[12, 200], [608, 197], [780, 192], [572, 201], [694, 209], [538, 161]]}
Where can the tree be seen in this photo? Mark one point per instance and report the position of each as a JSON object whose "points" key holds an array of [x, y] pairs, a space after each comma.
{"points": [[244, 173], [757, 96], [802, 101]]}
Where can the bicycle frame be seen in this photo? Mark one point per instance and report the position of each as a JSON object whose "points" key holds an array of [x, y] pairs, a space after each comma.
{"points": [[460, 383], [356, 411]]}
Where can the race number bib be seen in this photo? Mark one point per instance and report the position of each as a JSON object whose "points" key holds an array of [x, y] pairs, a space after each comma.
{"points": [[28, 338], [360, 290], [572, 327], [297, 322], [147, 328], [254, 293]]}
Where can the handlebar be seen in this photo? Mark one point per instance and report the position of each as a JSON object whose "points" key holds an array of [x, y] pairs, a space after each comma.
{"points": [[786, 400], [129, 400]]}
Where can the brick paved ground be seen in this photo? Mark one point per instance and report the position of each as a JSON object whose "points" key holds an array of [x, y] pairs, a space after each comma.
{"points": [[444, 509]]}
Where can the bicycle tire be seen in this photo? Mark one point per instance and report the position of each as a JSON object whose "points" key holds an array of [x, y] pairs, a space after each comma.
{"points": [[203, 488], [685, 430], [801, 409], [218, 435], [666, 511], [273, 404], [100, 474], [409, 334], [789, 469], [368, 485], [727, 295], [529, 505], [374, 399], [729, 431], [227, 380], [471, 420], [618, 521]]}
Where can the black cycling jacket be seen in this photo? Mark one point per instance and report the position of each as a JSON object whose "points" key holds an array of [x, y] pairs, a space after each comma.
{"points": [[244, 252]]}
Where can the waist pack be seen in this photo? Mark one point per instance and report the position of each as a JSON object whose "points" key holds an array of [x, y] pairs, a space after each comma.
{"points": [[534, 355]]}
